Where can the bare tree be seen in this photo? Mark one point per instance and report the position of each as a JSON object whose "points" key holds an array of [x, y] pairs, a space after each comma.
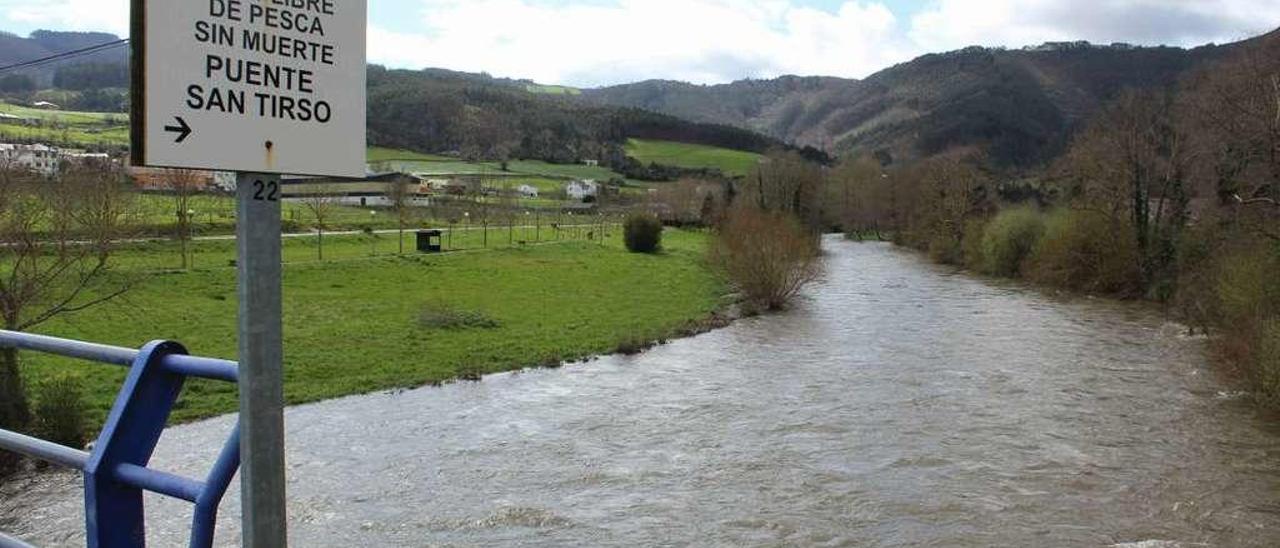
{"points": [[689, 201], [768, 255], [321, 206], [862, 189], [1232, 115], [785, 181], [184, 184], [1131, 163], [56, 243], [399, 195], [509, 203]]}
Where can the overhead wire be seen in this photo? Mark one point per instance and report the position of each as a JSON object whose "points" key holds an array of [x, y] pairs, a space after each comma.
{"points": [[34, 63]]}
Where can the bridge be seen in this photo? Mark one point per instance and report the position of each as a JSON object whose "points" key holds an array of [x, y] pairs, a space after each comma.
{"points": [[116, 472]]}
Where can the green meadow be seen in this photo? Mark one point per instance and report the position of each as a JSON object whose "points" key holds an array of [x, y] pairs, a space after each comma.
{"points": [[731, 162], [365, 320]]}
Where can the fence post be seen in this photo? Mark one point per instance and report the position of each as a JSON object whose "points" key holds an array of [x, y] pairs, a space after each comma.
{"points": [[114, 511]]}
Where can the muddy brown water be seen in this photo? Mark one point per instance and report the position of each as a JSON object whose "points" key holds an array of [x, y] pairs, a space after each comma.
{"points": [[902, 404]]}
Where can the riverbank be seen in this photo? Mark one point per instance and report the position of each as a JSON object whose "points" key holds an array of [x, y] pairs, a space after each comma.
{"points": [[1226, 291], [897, 404], [364, 324]]}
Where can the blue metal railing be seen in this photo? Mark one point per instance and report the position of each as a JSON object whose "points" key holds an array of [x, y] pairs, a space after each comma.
{"points": [[116, 472]]}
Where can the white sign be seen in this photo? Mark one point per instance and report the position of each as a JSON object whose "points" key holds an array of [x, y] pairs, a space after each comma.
{"points": [[261, 86]]}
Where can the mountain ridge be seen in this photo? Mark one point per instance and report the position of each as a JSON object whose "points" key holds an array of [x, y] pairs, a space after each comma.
{"points": [[1020, 106]]}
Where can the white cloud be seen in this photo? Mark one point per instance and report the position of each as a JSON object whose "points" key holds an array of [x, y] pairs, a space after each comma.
{"points": [[711, 41], [593, 42], [696, 40], [84, 15], [951, 24]]}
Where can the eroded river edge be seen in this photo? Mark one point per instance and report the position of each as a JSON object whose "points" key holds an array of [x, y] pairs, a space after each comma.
{"points": [[901, 404]]}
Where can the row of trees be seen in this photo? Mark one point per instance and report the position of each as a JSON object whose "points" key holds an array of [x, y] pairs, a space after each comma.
{"points": [[56, 241], [1170, 194]]}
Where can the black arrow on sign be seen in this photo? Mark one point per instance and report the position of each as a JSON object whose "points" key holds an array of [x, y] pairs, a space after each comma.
{"points": [[182, 129]]}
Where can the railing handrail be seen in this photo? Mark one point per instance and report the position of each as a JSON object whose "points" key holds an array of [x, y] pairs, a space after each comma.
{"points": [[191, 366], [44, 450], [116, 471]]}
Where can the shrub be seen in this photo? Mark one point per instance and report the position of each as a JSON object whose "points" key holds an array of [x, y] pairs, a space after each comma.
{"points": [[1086, 251], [442, 315], [15, 414], [946, 249], [971, 245], [1247, 286], [1009, 239], [60, 412], [1267, 363], [643, 233], [770, 257]]}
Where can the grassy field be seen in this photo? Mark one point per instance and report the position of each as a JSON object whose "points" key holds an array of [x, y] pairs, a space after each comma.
{"points": [[731, 162], [355, 325], [68, 127], [66, 116], [379, 154], [215, 214], [552, 90]]}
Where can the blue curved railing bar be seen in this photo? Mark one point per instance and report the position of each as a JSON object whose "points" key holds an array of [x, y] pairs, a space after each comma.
{"points": [[116, 472]]}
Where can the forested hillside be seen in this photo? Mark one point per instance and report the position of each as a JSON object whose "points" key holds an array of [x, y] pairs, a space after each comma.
{"points": [[479, 117], [45, 43], [1017, 106]]}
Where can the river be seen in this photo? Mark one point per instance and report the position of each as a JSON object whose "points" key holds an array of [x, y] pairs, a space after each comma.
{"points": [[901, 404]]}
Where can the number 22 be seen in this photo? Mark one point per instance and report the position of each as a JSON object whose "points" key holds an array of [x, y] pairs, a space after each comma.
{"points": [[266, 191]]}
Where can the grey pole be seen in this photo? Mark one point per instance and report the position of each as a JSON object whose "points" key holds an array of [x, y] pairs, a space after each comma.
{"points": [[262, 472]]}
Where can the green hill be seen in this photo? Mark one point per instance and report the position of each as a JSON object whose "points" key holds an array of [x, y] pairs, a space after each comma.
{"points": [[670, 153]]}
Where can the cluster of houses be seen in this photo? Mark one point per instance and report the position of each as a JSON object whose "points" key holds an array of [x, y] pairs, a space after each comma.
{"points": [[48, 161], [579, 190], [42, 159]]}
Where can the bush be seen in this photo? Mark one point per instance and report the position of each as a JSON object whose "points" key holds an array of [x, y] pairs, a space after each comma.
{"points": [[60, 412], [643, 233], [1009, 239], [945, 249], [1088, 252], [1247, 286], [770, 257], [441, 315], [1267, 363], [971, 245]]}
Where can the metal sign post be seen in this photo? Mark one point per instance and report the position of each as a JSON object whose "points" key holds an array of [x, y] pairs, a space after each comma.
{"points": [[262, 476], [257, 87]]}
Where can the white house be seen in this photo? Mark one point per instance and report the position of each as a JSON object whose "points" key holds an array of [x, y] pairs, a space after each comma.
{"points": [[38, 158], [528, 191], [580, 190]]}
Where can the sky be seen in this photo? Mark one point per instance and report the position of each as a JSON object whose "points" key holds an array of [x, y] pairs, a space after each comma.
{"points": [[588, 43]]}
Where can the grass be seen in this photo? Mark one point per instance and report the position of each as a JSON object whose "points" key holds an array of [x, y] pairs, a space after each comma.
{"points": [[380, 154], [357, 325], [215, 214], [552, 90], [71, 136], [68, 127], [66, 116], [731, 162]]}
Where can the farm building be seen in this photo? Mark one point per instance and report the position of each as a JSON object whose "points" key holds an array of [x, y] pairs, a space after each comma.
{"points": [[41, 159], [528, 191], [581, 190], [161, 179]]}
